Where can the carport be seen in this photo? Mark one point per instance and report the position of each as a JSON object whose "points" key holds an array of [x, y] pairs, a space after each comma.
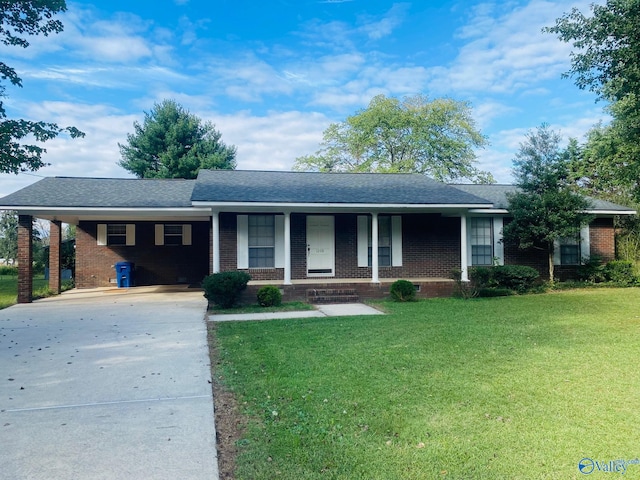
{"points": [[107, 384]]}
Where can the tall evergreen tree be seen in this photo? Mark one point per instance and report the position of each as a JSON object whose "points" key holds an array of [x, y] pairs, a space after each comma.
{"points": [[173, 143], [545, 209]]}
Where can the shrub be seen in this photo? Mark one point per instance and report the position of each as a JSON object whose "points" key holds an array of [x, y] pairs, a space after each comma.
{"points": [[494, 292], [480, 276], [515, 277], [462, 289], [620, 272], [8, 270], [269, 296], [225, 288], [403, 291], [592, 270]]}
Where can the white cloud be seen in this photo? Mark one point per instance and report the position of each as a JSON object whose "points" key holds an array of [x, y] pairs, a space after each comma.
{"points": [[272, 141], [506, 50]]}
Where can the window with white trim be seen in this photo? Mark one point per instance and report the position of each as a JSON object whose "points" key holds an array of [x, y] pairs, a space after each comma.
{"points": [[116, 234], [384, 241], [262, 240], [173, 234], [481, 241], [570, 251], [389, 240]]}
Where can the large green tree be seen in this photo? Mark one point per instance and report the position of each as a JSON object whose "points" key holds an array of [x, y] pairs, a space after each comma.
{"points": [[545, 208], [606, 55], [606, 60], [18, 20], [173, 143], [437, 138]]}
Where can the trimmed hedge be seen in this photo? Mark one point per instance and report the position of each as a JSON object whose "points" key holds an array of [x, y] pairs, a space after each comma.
{"points": [[517, 278], [403, 291], [269, 296], [620, 272], [224, 289]]}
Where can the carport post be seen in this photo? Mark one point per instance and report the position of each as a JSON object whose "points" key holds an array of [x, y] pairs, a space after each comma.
{"points": [[25, 259], [55, 239]]}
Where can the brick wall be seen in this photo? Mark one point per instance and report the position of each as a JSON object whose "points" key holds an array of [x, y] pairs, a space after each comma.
{"points": [[25, 259], [603, 239], [154, 265], [430, 245]]}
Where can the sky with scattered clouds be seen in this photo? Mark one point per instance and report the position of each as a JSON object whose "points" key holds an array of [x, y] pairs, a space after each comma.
{"points": [[273, 74]]}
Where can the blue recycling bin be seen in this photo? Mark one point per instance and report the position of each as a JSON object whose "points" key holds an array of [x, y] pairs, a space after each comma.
{"points": [[124, 274]]}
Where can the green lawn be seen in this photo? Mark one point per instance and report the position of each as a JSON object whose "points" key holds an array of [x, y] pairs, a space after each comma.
{"points": [[9, 289], [503, 388]]}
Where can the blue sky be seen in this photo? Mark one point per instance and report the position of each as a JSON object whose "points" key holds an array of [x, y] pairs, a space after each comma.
{"points": [[273, 74]]}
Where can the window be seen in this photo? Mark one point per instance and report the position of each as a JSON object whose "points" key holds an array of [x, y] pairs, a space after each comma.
{"points": [[261, 241], [384, 241], [116, 234], [389, 240], [570, 251], [481, 241], [172, 234]]}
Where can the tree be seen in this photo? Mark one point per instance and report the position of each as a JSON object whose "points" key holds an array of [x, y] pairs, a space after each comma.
{"points": [[19, 19], [606, 60], [606, 56], [545, 209], [9, 236], [173, 143], [436, 138]]}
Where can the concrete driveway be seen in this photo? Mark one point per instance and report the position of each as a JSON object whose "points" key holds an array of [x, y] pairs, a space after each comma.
{"points": [[107, 384]]}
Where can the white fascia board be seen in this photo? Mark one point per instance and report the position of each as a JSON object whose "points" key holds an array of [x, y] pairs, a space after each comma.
{"points": [[490, 211], [611, 212], [87, 211], [306, 207]]}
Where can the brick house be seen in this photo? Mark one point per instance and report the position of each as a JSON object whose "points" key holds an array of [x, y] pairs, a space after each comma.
{"points": [[305, 232]]}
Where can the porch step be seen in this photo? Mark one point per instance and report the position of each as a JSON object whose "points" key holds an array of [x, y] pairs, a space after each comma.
{"points": [[332, 295]]}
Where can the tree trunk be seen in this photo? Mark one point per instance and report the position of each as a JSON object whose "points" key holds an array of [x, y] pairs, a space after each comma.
{"points": [[551, 265]]}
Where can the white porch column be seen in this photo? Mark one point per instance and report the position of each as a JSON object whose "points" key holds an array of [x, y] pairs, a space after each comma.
{"points": [[464, 257], [287, 248], [215, 240], [374, 248]]}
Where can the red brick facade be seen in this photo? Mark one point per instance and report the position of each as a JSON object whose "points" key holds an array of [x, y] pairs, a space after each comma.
{"points": [[154, 264], [25, 259], [430, 244]]}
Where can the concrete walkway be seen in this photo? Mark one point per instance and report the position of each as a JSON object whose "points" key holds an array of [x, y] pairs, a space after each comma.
{"points": [[109, 384], [331, 310]]}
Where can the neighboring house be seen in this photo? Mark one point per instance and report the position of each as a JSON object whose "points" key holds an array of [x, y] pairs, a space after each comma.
{"points": [[305, 232]]}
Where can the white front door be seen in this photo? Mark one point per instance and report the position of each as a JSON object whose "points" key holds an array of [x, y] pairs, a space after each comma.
{"points": [[320, 246]]}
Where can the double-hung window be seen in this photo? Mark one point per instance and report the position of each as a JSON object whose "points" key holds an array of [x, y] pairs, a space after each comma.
{"points": [[481, 241], [384, 241], [173, 234], [116, 234], [262, 240], [389, 240], [570, 251]]}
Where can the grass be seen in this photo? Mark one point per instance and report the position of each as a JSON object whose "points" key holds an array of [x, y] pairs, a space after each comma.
{"points": [[9, 289], [501, 388]]}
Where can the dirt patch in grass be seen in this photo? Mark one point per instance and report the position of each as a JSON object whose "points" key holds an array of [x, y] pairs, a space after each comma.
{"points": [[230, 424]]}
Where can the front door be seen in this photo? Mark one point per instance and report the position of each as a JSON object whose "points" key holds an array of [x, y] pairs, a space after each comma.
{"points": [[320, 246]]}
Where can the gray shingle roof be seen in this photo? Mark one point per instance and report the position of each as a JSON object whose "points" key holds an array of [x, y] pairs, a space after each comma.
{"points": [[307, 187], [102, 192], [497, 194]]}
